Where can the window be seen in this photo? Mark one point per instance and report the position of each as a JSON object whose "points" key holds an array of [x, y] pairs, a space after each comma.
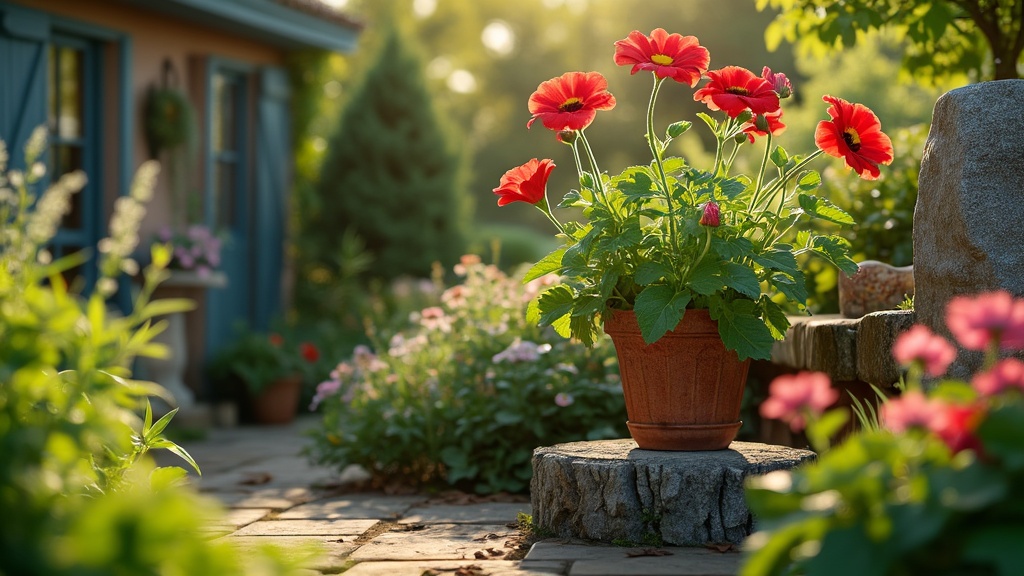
{"points": [[227, 153]]}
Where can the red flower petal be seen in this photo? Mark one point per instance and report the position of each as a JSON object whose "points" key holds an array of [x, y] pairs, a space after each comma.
{"points": [[525, 183], [854, 134], [571, 101], [734, 89], [674, 56]]}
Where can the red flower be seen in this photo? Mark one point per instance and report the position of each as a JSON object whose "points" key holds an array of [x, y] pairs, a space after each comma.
{"points": [[919, 344], [571, 101], [525, 183], [309, 352], [1008, 373], [762, 124], [975, 321], [734, 89], [712, 215], [276, 339], [673, 56], [955, 425], [855, 134], [791, 395]]}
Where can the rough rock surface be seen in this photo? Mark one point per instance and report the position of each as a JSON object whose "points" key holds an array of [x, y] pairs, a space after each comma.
{"points": [[876, 334], [969, 218], [610, 490]]}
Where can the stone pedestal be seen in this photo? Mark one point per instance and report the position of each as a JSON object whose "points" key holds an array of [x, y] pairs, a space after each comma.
{"points": [[612, 491]]}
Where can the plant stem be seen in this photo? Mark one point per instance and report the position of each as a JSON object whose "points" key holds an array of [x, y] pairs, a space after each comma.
{"points": [[653, 143], [760, 173], [596, 171]]}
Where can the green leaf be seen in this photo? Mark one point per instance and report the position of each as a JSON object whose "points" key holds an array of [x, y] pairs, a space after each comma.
{"points": [[836, 250], [732, 187], [1002, 432], [160, 424], [779, 157], [711, 122], [572, 199], [741, 330], [774, 318], [546, 265], [636, 185], [808, 181], [995, 545], [166, 306], [706, 278], [741, 279], [651, 272], [792, 286], [554, 303], [733, 248], [184, 455], [677, 129], [659, 309], [166, 477], [818, 207], [628, 237], [778, 258]]}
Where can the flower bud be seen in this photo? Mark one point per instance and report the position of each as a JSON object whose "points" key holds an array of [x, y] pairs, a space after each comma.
{"points": [[676, 129], [712, 216], [761, 122], [780, 83], [567, 136]]}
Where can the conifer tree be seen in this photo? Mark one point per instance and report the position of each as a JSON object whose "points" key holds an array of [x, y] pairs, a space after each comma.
{"points": [[393, 173]]}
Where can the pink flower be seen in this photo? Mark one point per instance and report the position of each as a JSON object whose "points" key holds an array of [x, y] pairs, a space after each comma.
{"points": [[1008, 373], [791, 395], [433, 318], [564, 399], [712, 215], [780, 83], [911, 409], [919, 344], [976, 321]]}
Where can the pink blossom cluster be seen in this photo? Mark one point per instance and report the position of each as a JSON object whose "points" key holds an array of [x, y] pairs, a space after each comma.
{"points": [[521, 351], [197, 248], [345, 377], [992, 322]]}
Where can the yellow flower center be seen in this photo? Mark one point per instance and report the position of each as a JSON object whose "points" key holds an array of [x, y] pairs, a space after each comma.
{"points": [[737, 90], [571, 105], [661, 59], [852, 139]]}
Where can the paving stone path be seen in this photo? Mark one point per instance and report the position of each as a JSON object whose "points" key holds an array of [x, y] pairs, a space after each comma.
{"points": [[273, 494]]}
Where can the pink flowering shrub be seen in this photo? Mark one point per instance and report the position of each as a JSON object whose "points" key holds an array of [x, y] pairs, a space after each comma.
{"points": [[196, 249], [933, 487], [463, 390]]}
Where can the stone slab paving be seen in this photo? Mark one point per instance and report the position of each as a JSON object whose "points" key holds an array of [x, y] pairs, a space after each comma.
{"points": [[586, 560], [373, 534]]}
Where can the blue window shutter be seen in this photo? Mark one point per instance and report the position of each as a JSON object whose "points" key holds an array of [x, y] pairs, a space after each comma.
{"points": [[23, 36], [273, 185]]}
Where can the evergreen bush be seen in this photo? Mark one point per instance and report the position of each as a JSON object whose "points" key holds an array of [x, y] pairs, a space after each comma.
{"points": [[392, 174]]}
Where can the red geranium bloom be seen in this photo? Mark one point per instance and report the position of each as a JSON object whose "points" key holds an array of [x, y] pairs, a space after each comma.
{"points": [[975, 321], [955, 425], [734, 89], [571, 101], [673, 56], [855, 134], [770, 122], [525, 183], [276, 339], [309, 352]]}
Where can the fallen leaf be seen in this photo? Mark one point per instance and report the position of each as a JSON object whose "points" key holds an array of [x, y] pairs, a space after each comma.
{"points": [[486, 537], [494, 552], [720, 546], [647, 552], [479, 555], [256, 479]]}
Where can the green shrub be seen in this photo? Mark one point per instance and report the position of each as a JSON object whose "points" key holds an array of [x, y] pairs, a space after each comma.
{"points": [[511, 245], [884, 214], [79, 495], [463, 394]]}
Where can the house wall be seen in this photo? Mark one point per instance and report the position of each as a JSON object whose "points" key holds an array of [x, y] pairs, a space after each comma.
{"points": [[155, 37]]}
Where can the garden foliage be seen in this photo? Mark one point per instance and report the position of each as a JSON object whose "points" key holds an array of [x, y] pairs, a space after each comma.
{"points": [[465, 390], [393, 174], [931, 485], [78, 493]]}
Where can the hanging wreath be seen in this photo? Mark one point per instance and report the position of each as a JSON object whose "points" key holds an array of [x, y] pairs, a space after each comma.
{"points": [[168, 115]]}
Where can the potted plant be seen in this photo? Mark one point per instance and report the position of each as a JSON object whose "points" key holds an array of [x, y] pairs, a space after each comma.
{"points": [[264, 372], [680, 264]]}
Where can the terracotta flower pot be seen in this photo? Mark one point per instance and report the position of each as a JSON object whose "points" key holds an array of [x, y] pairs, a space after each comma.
{"points": [[684, 391], [278, 402]]}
